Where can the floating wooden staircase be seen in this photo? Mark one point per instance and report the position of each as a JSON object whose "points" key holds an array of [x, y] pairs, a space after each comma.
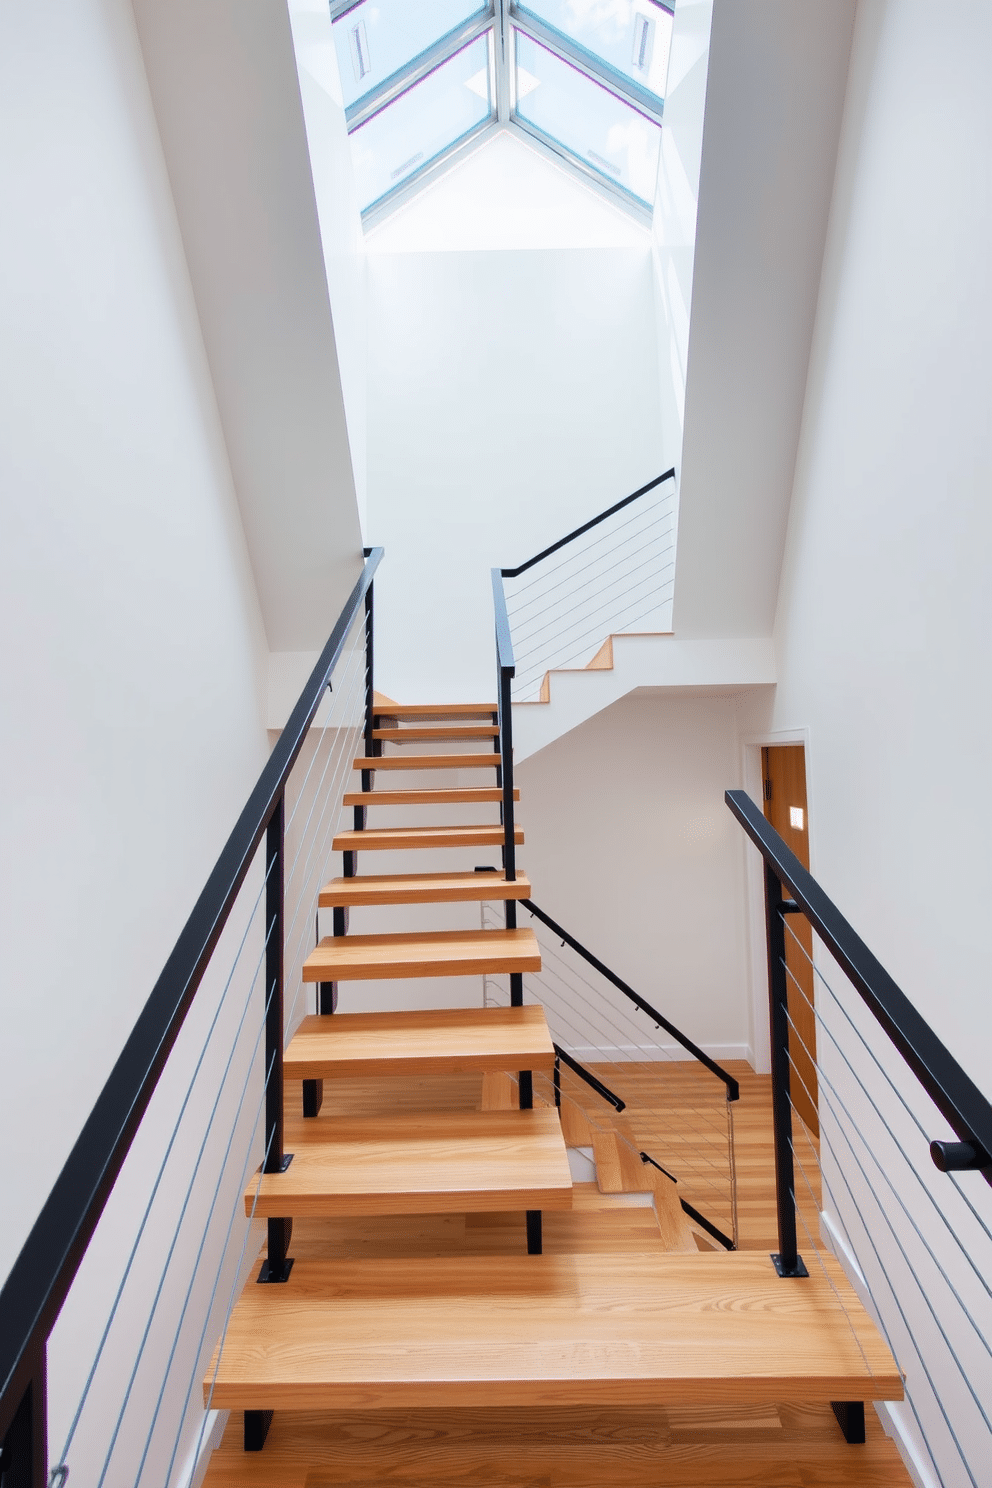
{"points": [[485, 1319]]}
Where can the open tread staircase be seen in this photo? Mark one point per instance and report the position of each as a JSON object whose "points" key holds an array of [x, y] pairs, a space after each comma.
{"points": [[432, 1301]]}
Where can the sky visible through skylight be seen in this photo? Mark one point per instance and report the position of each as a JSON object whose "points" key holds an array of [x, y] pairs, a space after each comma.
{"points": [[422, 80]]}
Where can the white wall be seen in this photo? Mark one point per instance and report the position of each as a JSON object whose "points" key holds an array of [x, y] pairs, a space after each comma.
{"points": [[134, 669], [629, 846], [340, 222], [774, 98], [885, 608], [512, 395], [226, 93], [676, 203]]}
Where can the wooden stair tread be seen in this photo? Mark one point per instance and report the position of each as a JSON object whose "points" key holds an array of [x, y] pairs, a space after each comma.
{"points": [[435, 1042], [436, 710], [529, 1330], [618, 1167], [432, 1162], [673, 1222], [422, 888], [575, 1127], [345, 958], [488, 761], [380, 839], [458, 796], [415, 735]]}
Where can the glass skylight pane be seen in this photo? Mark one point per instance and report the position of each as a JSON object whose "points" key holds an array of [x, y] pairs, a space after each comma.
{"points": [[633, 37], [588, 120], [423, 122], [379, 37]]}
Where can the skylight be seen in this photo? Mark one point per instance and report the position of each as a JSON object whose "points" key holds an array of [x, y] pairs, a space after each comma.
{"points": [[424, 80]]}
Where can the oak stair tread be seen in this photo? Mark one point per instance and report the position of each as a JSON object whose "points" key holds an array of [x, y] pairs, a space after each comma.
{"points": [[345, 958], [439, 1041], [422, 888], [434, 710], [381, 839], [457, 796], [659, 1329], [487, 761], [415, 735], [619, 1168], [575, 1124], [433, 1162]]}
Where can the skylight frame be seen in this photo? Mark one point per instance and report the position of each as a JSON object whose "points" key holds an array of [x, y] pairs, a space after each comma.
{"points": [[500, 18]]}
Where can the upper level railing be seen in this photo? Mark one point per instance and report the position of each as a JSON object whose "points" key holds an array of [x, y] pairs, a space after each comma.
{"points": [[610, 574], [56, 1247], [896, 1197], [709, 1122]]}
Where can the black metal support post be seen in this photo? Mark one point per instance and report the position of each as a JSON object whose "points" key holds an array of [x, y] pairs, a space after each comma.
{"points": [[851, 1419], [373, 747], [787, 1261], [257, 1423], [278, 1264], [24, 1444], [535, 1241]]}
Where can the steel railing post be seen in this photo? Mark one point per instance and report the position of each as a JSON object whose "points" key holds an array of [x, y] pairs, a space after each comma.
{"points": [[787, 1261]]}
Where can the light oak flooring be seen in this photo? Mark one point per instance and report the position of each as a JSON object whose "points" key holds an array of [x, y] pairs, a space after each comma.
{"points": [[762, 1447]]}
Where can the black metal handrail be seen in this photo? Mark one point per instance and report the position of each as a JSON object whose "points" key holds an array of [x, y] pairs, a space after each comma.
{"points": [[954, 1094], [733, 1088], [513, 573], [51, 1255], [952, 1091]]}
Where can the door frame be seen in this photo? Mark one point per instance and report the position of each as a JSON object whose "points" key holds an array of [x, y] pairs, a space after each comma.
{"points": [[754, 885]]}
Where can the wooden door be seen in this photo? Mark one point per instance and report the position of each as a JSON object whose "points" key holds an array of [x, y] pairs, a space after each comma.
{"points": [[784, 772]]}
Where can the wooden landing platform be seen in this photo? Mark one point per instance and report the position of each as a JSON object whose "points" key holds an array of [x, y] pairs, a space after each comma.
{"points": [[439, 1162], [550, 1330], [422, 888], [349, 958], [380, 839], [440, 1041]]}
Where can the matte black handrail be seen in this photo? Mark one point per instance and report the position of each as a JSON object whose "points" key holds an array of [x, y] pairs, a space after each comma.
{"points": [[952, 1091], [733, 1088], [513, 573], [591, 1080], [51, 1255]]}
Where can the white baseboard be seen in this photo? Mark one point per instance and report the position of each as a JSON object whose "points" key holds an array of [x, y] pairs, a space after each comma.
{"points": [[891, 1413]]}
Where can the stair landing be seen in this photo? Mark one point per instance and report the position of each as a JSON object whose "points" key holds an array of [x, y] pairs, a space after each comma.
{"points": [[550, 1330]]}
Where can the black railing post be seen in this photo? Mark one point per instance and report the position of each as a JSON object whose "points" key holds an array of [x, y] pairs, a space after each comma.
{"points": [[372, 746], [24, 1443], [787, 1261], [278, 1264]]}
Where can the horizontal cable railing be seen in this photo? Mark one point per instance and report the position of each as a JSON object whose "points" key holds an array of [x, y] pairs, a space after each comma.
{"points": [[613, 574], [863, 1093], [677, 1103], [124, 1287]]}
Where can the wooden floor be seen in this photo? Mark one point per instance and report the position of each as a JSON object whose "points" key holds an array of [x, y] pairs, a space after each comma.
{"points": [[768, 1446]]}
